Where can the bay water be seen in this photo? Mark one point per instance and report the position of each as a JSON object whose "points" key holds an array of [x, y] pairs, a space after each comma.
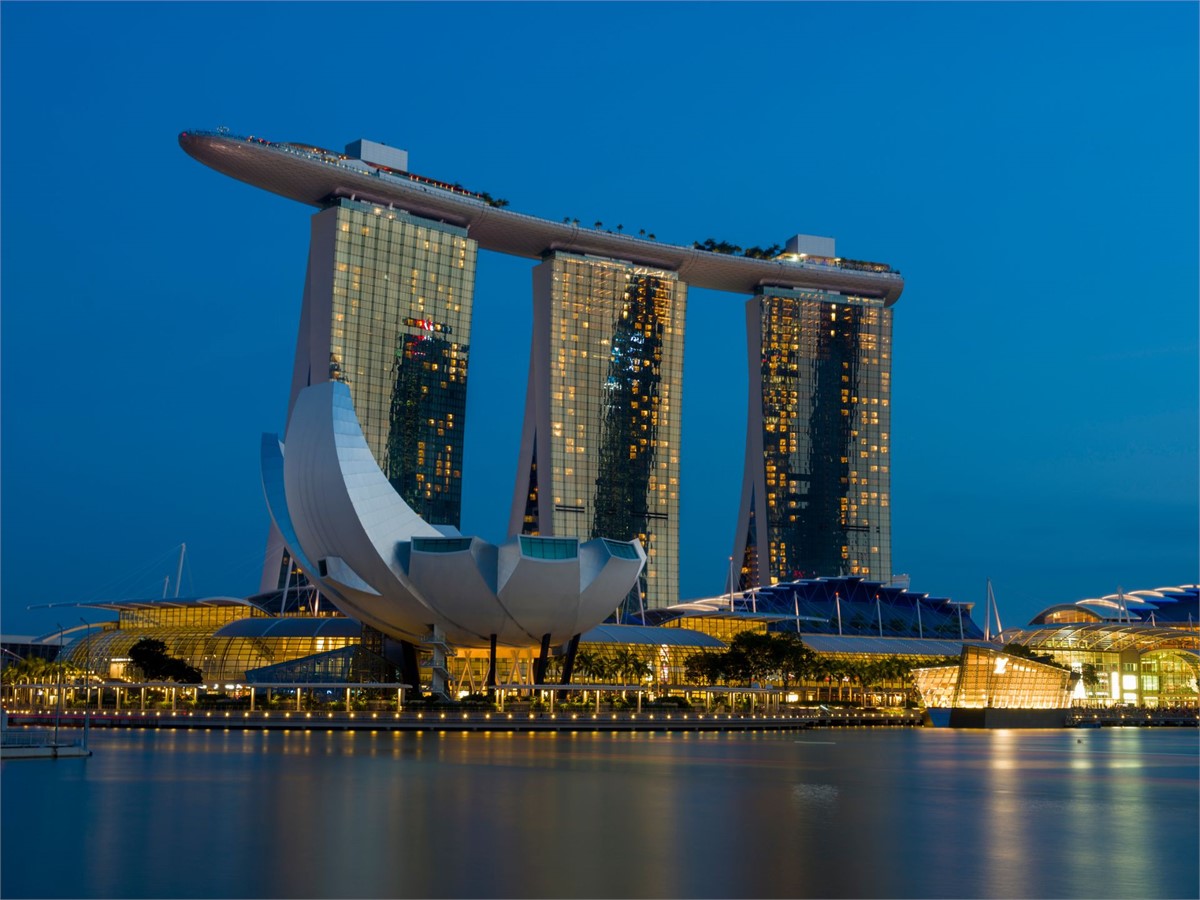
{"points": [[824, 813]]}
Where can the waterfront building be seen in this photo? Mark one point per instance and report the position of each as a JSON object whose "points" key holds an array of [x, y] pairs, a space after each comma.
{"points": [[990, 688], [817, 482], [600, 447], [222, 637], [1137, 648]]}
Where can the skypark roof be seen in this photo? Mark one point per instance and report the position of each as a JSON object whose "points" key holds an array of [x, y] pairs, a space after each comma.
{"points": [[313, 176]]}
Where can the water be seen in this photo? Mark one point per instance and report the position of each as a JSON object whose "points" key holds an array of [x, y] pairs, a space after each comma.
{"points": [[832, 813]]}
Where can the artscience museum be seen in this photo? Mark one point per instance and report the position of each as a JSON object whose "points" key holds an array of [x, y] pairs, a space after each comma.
{"points": [[382, 564]]}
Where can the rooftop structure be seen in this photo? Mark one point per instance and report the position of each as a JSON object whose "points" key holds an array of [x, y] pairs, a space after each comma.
{"points": [[316, 176], [1160, 606], [845, 606]]}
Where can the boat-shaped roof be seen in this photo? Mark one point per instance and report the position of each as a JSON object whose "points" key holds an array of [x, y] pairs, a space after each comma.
{"points": [[317, 177]]}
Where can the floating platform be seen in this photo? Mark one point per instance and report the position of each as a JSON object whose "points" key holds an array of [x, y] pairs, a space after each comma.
{"points": [[43, 751]]}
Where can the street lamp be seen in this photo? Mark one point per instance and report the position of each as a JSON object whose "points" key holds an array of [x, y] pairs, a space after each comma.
{"points": [[58, 705], [88, 664]]}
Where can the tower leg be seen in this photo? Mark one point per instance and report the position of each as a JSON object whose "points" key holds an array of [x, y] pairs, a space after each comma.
{"points": [[491, 675], [539, 670], [410, 672], [569, 662]]}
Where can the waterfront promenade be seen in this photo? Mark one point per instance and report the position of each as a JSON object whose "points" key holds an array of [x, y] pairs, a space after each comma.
{"points": [[513, 720], [526, 720]]}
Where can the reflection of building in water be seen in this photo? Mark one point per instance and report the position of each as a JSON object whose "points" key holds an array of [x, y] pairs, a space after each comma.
{"points": [[387, 310], [600, 447]]}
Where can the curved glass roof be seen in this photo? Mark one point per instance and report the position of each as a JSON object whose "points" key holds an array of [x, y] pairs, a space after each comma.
{"points": [[291, 626], [1104, 636], [890, 646], [1173, 605], [642, 634]]}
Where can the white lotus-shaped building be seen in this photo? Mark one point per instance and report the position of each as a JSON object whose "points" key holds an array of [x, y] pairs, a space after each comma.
{"points": [[381, 563]]}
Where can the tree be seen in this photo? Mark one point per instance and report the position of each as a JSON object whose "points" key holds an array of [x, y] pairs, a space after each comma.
{"points": [[151, 657], [705, 667], [794, 660], [755, 654]]}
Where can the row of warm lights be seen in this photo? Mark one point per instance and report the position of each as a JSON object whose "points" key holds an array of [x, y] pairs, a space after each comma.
{"points": [[466, 716]]}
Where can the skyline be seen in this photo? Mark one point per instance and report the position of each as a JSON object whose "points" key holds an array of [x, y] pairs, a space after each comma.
{"points": [[1032, 213]]}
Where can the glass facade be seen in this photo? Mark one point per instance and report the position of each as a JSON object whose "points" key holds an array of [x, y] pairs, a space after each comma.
{"points": [[387, 310], [400, 338], [601, 449], [220, 659], [816, 491], [986, 678], [1122, 662]]}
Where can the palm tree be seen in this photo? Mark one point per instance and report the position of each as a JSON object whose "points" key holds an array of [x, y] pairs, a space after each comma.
{"points": [[587, 663]]}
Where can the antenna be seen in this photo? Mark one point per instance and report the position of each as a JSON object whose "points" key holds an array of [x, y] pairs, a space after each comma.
{"points": [[987, 612], [991, 608], [179, 572]]}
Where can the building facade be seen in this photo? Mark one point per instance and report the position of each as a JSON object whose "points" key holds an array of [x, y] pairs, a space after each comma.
{"points": [[387, 311], [816, 489], [600, 447]]}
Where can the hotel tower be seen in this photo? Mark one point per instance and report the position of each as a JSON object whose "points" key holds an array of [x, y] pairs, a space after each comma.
{"points": [[600, 448], [815, 493], [387, 311]]}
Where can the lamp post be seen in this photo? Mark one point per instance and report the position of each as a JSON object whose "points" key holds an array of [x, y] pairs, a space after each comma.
{"points": [[58, 705], [87, 666], [731, 584]]}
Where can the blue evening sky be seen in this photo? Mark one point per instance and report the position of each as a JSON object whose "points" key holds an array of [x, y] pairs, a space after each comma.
{"points": [[1031, 169]]}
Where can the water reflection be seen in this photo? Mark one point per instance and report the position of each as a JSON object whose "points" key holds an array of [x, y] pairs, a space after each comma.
{"points": [[928, 813]]}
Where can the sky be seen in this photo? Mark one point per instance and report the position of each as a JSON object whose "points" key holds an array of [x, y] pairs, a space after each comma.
{"points": [[1031, 170]]}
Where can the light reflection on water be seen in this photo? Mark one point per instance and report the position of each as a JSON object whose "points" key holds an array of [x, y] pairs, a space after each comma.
{"points": [[843, 813]]}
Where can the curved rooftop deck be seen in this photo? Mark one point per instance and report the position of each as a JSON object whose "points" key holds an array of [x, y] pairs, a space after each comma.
{"points": [[314, 176]]}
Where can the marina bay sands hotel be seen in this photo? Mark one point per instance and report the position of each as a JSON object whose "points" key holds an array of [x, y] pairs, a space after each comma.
{"points": [[387, 310]]}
